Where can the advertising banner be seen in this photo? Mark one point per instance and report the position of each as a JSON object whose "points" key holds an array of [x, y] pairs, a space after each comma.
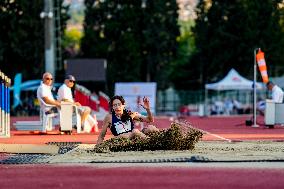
{"points": [[133, 93]]}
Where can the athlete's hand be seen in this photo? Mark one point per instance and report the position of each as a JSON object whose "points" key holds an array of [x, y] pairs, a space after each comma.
{"points": [[146, 103]]}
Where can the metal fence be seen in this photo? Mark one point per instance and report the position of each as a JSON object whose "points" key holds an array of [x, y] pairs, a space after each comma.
{"points": [[171, 101]]}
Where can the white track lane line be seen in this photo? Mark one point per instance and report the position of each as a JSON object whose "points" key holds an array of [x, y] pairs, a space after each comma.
{"points": [[206, 132]]}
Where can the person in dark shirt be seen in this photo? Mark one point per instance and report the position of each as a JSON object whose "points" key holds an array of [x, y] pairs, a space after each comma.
{"points": [[121, 121]]}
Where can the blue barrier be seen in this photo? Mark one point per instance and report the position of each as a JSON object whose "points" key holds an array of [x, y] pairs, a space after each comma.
{"points": [[5, 83]]}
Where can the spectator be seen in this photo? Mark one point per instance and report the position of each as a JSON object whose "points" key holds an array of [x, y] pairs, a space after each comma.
{"points": [[228, 105], [218, 107], [184, 110], [238, 107]]}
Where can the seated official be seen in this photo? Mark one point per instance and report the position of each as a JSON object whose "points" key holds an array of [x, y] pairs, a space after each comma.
{"points": [[65, 94], [44, 93], [276, 92]]}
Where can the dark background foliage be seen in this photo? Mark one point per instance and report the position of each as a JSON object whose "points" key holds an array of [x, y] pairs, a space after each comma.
{"points": [[22, 37], [226, 33], [138, 38], [141, 40]]}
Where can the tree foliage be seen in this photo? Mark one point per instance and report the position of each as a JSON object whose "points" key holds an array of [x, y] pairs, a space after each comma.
{"points": [[22, 37], [227, 32], [71, 41], [186, 47], [138, 38]]}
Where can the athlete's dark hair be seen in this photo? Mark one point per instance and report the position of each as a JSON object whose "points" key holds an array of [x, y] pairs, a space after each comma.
{"points": [[126, 113]]}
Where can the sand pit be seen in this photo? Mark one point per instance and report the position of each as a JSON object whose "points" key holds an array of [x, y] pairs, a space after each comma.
{"points": [[214, 151]]}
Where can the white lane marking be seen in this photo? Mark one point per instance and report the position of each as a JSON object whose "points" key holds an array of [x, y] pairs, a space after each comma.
{"points": [[206, 132]]}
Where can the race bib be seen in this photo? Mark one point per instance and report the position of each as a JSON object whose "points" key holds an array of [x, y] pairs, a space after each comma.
{"points": [[122, 127]]}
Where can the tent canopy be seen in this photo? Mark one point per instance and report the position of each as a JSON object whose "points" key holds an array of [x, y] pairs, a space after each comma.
{"points": [[278, 81], [233, 81]]}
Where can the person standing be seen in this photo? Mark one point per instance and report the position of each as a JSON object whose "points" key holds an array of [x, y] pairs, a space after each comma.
{"points": [[65, 94]]}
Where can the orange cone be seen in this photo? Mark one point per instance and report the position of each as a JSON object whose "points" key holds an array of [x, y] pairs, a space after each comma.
{"points": [[262, 66]]}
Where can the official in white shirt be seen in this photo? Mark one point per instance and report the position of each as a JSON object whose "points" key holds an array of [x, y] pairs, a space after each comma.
{"points": [[44, 93], [65, 94], [277, 92]]}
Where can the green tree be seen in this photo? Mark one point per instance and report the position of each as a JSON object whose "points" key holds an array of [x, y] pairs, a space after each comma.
{"points": [[22, 37], [180, 70], [227, 32], [138, 38], [71, 40]]}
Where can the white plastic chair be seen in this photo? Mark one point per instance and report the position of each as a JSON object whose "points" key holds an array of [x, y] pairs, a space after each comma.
{"points": [[46, 119]]}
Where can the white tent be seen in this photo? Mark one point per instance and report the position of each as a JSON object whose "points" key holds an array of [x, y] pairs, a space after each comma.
{"points": [[232, 81], [278, 81]]}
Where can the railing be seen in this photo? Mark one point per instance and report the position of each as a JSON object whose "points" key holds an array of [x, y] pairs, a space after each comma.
{"points": [[5, 83], [173, 101]]}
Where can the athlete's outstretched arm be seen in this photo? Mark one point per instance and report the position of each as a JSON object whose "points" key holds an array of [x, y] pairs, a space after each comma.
{"points": [[106, 124], [146, 105]]}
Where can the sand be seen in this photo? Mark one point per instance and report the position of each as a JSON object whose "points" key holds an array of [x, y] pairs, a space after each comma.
{"points": [[204, 151]]}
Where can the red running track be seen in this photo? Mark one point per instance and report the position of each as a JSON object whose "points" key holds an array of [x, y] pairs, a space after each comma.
{"points": [[57, 176], [90, 176], [217, 128], [234, 128]]}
